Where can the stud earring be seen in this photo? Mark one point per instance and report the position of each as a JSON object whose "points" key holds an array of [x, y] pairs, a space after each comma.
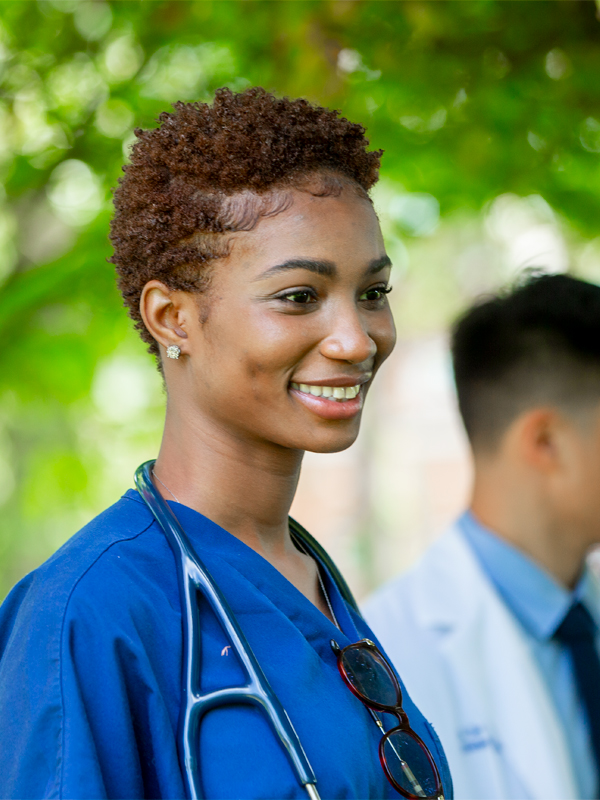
{"points": [[173, 351]]}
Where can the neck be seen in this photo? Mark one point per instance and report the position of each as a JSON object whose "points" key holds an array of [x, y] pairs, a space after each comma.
{"points": [[244, 485], [516, 510]]}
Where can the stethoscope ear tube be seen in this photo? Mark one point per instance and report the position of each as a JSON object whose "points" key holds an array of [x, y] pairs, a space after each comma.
{"points": [[194, 578], [320, 554]]}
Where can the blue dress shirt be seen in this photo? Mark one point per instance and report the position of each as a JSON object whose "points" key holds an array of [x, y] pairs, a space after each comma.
{"points": [[90, 674], [539, 603]]}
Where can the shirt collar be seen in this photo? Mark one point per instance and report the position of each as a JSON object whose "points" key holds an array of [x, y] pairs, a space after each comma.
{"points": [[533, 595], [588, 592]]}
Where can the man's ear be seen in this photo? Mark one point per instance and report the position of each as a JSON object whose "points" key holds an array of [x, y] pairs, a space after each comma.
{"points": [[164, 312], [539, 434]]}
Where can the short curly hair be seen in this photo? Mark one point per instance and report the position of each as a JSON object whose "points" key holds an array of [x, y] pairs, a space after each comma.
{"points": [[209, 170]]}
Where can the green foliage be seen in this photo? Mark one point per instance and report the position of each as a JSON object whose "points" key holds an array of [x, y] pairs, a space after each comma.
{"points": [[470, 100]]}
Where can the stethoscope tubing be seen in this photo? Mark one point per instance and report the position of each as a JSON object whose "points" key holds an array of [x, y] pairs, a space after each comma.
{"points": [[194, 578]]}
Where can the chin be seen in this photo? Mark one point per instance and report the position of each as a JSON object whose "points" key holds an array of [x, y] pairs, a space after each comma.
{"points": [[332, 444], [322, 437], [328, 449]]}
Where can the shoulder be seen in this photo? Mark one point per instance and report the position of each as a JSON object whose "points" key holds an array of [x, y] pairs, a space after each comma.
{"points": [[435, 569], [445, 592], [124, 521], [94, 568], [84, 637]]}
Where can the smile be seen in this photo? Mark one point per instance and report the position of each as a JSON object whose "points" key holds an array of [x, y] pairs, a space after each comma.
{"points": [[330, 402], [336, 393]]}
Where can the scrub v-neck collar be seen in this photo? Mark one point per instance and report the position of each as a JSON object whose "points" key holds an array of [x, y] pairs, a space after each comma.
{"points": [[210, 540]]}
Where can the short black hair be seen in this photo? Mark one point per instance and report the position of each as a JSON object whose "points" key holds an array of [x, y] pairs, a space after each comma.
{"points": [[536, 344]]}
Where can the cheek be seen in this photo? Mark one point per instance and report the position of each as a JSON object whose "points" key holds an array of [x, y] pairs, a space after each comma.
{"points": [[252, 344], [583, 492], [592, 478], [383, 333]]}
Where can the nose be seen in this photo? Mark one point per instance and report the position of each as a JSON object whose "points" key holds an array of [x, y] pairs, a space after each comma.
{"points": [[348, 339]]}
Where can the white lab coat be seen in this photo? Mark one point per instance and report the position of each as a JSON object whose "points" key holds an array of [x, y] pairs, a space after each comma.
{"points": [[467, 665]]}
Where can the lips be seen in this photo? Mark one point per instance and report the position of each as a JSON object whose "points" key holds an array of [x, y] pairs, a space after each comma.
{"points": [[330, 402], [336, 393]]}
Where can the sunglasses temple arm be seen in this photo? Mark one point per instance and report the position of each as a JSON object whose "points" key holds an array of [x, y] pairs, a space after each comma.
{"points": [[405, 768], [376, 719]]}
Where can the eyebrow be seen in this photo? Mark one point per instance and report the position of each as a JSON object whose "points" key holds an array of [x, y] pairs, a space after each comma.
{"points": [[378, 264], [323, 267]]}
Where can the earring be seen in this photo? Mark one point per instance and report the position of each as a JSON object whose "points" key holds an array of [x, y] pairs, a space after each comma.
{"points": [[173, 351]]}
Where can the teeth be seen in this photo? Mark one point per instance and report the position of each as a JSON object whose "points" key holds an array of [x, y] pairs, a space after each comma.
{"points": [[337, 393]]}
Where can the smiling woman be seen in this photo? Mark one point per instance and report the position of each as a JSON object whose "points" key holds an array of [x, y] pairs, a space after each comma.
{"points": [[251, 259]]}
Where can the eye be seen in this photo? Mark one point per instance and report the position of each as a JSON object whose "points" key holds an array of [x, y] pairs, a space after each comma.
{"points": [[375, 294], [301, 297]]}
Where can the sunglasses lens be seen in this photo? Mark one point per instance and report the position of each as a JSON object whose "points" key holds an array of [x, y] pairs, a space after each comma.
{"points": [[408, 765], [370, 676]]}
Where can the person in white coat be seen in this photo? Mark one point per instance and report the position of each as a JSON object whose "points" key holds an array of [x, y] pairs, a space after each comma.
{"points": [[495, 630]]}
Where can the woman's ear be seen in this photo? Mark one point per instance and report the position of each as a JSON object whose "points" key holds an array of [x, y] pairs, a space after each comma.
{"points": [[164, 313]]}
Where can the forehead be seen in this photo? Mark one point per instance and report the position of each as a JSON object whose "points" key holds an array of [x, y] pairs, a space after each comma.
{"points": [[340, 229]]}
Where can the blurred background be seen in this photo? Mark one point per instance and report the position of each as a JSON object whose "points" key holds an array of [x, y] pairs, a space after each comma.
{"points": [[489, 113]]}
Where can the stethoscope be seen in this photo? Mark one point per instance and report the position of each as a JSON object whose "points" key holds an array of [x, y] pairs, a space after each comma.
{"points": [[194, 578]]}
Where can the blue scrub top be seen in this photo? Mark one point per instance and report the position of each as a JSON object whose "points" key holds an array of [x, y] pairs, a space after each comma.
{"points": [[90, 674]]}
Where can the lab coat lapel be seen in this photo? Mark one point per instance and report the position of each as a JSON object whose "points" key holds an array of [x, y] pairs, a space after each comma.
{"points": [[498, 682]]}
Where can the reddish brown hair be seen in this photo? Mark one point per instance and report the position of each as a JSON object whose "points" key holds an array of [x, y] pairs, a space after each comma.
{"points": [[212, 169]]}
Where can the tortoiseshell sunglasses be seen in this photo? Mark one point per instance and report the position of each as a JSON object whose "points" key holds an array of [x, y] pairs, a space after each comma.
{"points": [[405, 758]]}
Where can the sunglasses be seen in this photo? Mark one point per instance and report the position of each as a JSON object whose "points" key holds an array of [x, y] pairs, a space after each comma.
{"points": [[405, 758]]}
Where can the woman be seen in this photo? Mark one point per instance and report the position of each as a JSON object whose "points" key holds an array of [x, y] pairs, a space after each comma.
{"points": [[251, 259]]}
